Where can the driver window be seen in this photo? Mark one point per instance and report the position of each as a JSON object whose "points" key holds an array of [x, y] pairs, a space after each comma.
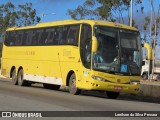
{"points": [[85, 45]]}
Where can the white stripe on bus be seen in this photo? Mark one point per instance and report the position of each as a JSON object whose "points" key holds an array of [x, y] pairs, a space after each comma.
{"points": [[43, 79]]}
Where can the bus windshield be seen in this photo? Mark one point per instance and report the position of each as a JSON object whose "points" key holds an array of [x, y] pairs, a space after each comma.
{"points": [[118, 51]]}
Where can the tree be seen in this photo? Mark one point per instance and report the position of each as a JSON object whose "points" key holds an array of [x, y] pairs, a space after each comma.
{"points": [[27, 15], [154, 23], [110, 10], [21, 15], [7, 16], [84, 11], [152, 37]]}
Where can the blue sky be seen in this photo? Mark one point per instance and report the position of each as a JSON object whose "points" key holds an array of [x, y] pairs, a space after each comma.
{"points": [[60, 7]]}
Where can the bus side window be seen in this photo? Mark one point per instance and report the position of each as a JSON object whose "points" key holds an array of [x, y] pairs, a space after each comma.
{"points": [[43, 37], [34, 38], [60, 35], [12, 38], [49, 38], [28, 40], [19, 38], [72, 36], [7, 38], [39, 36], [63, 35], [24, 38]]}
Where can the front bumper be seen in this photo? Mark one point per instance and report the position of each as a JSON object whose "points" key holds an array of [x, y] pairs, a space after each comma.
{"points": [[116, 87]]}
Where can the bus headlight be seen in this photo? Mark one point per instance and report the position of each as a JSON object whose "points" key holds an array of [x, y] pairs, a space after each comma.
{"points": [[99, 78], [134, 82]]}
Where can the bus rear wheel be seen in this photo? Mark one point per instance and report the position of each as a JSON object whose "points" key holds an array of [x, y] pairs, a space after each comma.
{"points": [[112, 95], [145, 76], [14, 77], [51, 86], [72, 85], [21, 81]]}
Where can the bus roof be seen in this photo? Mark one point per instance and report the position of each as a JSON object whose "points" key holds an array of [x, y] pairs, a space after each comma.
{"points": [[68, 22]]}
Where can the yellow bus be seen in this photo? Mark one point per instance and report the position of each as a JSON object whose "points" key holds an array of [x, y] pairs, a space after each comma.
{"points": [[81, 54]]}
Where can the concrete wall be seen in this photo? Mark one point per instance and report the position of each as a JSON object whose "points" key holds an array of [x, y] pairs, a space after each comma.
{"points": [[150, 88]]}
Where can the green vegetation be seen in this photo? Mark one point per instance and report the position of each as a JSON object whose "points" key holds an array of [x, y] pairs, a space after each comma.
{"points": [[110, 10], [21, 15], [11, 15]]}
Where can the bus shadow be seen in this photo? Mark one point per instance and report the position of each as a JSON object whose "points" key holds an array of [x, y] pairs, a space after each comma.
{"points": [[140, 98], [123, 96]]}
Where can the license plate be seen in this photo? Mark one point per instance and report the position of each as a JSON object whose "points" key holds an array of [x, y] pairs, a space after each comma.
{"points": [[117, 87]]}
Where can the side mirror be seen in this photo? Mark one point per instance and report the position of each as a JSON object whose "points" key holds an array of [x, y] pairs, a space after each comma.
{"points": [[149, 50], [143, 63], [94, 44]]}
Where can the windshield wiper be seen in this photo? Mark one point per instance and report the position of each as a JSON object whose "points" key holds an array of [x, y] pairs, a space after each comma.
{"points": [[110, 71]]}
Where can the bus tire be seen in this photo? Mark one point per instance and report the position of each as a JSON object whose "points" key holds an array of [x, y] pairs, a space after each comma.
{"points": [[145, 76], [21, 81], [112, 95], [51, 86], [72, 85], [14, 77]]}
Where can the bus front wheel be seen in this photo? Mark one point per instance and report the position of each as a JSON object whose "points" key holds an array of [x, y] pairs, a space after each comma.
{"points": [[14, 77], [112, 95], [72, 85], [21, 81]]}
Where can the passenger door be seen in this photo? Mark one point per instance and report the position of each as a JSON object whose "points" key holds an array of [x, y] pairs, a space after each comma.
{"points": [[85, 53]]}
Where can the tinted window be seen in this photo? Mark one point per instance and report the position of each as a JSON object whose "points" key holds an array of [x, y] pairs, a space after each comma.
{"points": [[72, 36], [19, 37], [28, 40], [10, 38], [7, 40], [85, 45], [59, 35]]}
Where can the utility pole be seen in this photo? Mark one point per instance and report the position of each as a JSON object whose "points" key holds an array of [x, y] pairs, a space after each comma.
{"points": [[131, 13], [149, 65], [155, 37]]}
